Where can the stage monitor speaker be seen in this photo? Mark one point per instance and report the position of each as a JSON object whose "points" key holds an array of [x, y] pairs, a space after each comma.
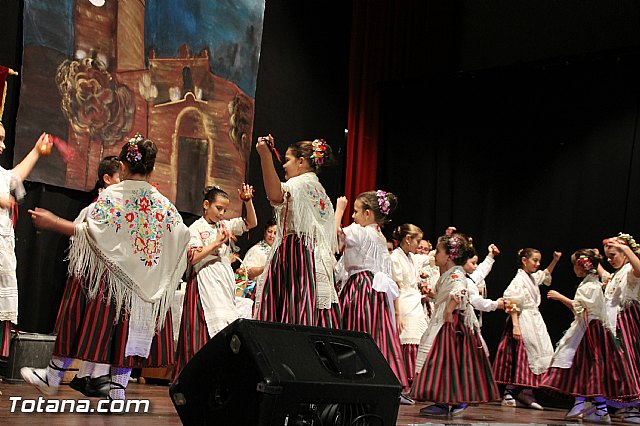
{"points": [[262, 373]]}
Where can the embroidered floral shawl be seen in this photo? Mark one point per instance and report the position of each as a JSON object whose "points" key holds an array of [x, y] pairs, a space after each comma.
{"points": [[135, 238], [308, 212]]}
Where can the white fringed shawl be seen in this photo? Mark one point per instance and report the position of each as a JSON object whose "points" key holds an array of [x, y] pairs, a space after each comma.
{"points": [[308, 212], [133, 238]]}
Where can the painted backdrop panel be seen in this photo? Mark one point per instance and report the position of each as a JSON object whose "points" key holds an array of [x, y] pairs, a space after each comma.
{"points": [[182, 72]]}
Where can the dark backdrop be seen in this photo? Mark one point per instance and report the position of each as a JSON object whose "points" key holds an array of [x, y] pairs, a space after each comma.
{"points": [[533, 156]]}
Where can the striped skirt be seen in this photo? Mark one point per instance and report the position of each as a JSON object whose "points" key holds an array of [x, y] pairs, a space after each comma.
{"points": [[87, 330], [289, 291], [511, 365], [5, 338], [599, 368], [628, 332], [364, 309], [193, 327], [457, 369], [409, 354]]}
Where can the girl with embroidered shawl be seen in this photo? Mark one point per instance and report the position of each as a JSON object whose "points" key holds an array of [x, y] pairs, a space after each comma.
{"points": [[367, 298], [411, 318], [127, 258], [525, 349], [210, 297], [588, 362], [622, 301], [453, 369], [298, 285], [10, 189]]}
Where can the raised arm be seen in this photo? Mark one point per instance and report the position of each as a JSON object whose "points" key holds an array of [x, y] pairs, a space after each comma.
{"points": [[554, 261], [485, 267], [633, 258], [252, 219], [23, 168], [269, 175], [341, 206]]}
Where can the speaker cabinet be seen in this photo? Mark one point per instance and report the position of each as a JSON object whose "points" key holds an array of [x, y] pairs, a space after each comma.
{"points": [[262, 373]]}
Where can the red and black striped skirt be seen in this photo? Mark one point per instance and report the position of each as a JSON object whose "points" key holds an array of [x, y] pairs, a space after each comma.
{"points": [[511, 365], [194, 333], [599, 368], [364, 309], [289, 292], [5, 338], [87, 330], [457, 369]]}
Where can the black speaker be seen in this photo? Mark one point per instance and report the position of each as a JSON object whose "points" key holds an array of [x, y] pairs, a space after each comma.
{"points": [[262, 373]]}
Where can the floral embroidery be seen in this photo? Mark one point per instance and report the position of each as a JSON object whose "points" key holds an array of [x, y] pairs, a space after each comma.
{"points": [[266, 248], [320, 200], [145, 220], [204, 235]]}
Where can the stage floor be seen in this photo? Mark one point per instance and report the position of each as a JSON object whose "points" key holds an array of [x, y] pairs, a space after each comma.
{"points": [[162, 413]]}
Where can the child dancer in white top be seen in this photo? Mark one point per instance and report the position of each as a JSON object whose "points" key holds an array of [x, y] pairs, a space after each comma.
{"points": [[367, 298], [622, 294], [411, 317], [588, 362], [525, 350], [298, 286], [452, 366], [210, 297], [10, 185], [476, 286]]}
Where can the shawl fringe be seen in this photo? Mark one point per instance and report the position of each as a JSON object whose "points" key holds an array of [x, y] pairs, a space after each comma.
{"points": [[88, 262]]}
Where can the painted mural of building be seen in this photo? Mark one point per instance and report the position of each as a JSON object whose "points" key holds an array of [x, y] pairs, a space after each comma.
{"points": [[202, 123]]}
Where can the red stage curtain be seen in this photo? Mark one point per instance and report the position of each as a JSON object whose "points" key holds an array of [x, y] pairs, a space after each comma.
{"points": [[366, 70]]}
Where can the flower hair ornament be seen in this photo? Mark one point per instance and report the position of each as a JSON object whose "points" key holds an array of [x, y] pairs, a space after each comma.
{"points": [[319, 150], [383, 202], [133, 153], [454, 247], [586, 264], [627, 240]]}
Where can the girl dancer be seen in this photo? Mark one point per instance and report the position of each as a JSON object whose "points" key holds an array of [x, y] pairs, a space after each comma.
{"points": [[298, 285], [210, 297], [587, 362], [367, 298], [10, 185], [623, 308], [476, 286], [525, 350], [453, 367], [411, 318], [127, 259], [92, 379]]}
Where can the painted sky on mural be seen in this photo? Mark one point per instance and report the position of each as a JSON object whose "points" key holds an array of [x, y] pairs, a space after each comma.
{"points": [[231, 29]]}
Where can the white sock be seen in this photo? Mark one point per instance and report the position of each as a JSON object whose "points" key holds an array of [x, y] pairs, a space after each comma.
{"points": [[119, 382], [56, 369], [100, 370], [85, 369]]}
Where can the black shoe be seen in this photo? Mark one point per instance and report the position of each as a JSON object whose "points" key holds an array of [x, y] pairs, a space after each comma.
{"points": [[81, 384], [92, 387], [99, 386]]}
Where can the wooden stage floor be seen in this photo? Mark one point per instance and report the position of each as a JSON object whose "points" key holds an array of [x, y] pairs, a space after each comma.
{"points": [[162, 413]]}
